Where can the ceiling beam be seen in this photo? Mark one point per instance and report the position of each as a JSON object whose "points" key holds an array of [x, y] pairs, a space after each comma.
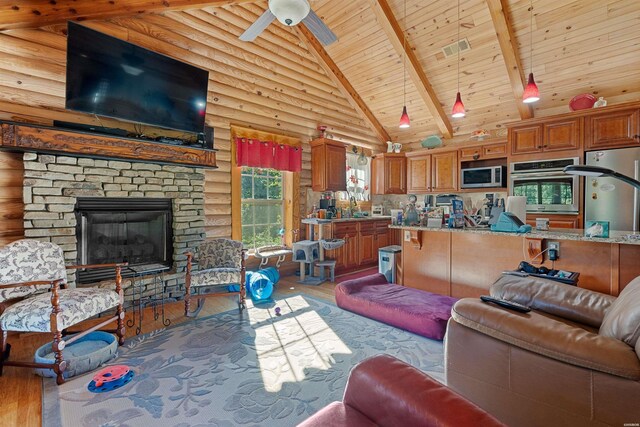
{"points": [[395, 34], [39, 13], [341, 81], [509, 48]]}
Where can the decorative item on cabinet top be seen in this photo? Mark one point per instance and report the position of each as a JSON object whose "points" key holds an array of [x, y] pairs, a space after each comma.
{"points": [[583, 101], [432, 141]]}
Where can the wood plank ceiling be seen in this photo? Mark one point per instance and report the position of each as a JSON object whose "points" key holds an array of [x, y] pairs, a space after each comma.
{"points": [[578, 46]]}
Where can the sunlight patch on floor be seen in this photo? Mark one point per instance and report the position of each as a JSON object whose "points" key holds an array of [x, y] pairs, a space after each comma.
{"points": [[290, 345]]}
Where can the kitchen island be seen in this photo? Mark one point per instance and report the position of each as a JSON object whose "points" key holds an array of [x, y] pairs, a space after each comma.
{"points": [[465, 262]]}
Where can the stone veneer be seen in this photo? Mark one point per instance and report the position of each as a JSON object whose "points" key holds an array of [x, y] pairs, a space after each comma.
{"points": [[52, 183]]}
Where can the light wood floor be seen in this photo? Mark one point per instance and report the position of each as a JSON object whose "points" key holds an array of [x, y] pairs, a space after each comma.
{"points": [[21, 390]]}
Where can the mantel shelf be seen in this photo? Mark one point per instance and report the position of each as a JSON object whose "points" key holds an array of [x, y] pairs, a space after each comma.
{"points": [[18, 137]]}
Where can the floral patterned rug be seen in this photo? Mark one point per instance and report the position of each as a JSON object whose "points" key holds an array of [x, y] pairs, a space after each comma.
{"points": [[231, 370]]}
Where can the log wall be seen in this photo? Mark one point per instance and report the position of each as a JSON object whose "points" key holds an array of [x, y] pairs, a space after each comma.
{"points": [[273, 84]]}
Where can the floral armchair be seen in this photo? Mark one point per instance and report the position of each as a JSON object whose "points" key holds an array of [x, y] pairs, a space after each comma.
{"points": [[220, 262], [34, 298]]}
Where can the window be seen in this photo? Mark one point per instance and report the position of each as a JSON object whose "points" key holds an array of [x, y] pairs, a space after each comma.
{"points": [[262, 207], [358, 176]]}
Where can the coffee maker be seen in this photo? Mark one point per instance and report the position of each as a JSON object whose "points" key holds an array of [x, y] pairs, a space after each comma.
{"points": [[328, 202]]}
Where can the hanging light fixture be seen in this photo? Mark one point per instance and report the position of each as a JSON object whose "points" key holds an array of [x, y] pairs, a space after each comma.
{"points": [[405, 122], [458, 106], [531, 92]]}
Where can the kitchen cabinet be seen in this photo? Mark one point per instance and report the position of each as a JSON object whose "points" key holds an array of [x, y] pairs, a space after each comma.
{"points": [[367, 251], [328, 165], [525, 139], [557, 135], [556, 221], [346, 256], [444, 171], [483, 152], [436, 172], [612, 129], [363, 239], [419, 174], [389, 174]]}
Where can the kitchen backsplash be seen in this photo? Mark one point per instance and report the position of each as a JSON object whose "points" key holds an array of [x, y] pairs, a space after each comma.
{"points": [[471, 200]]}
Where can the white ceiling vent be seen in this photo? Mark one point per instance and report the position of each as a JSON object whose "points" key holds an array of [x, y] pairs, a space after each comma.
{"points": [[452, 49]]}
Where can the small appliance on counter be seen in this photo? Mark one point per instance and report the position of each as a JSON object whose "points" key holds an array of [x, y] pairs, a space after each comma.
{"points": [[377, 210], [396, 216], [328, 201], [509, 223]]}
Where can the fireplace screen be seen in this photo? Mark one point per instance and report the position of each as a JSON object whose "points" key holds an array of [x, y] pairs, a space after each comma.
{"points": [[110, 230]]}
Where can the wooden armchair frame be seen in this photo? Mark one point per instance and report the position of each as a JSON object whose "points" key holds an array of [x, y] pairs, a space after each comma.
{"points": [[201, 298], [59, 343]]}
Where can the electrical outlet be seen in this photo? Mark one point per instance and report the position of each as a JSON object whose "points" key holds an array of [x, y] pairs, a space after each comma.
{"points": [[555, 246]]}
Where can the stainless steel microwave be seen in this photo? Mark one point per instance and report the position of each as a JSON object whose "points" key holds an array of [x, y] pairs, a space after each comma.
{"points": [[492, 176]]}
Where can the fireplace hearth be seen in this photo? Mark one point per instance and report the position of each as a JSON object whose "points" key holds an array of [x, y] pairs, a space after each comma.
{"points": [[113, 230]]}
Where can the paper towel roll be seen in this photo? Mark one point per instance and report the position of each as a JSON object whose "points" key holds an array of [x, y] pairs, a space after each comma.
{"points": [[517, 205]]}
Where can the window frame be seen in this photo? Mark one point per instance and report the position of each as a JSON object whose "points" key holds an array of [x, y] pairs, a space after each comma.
{"points": [[261, 202]]}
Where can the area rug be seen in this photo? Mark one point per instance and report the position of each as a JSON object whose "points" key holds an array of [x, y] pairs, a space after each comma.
{"points": [[231, 370], [357, 274]]}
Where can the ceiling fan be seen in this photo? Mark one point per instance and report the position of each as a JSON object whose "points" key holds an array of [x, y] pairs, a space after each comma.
{"points": [[290, 13]]}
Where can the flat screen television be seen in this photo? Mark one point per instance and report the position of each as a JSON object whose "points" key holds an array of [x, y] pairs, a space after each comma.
{"points": [[109, 77]]}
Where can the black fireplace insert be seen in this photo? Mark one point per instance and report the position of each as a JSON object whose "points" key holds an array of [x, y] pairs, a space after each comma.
{"points": [[134, 230]]}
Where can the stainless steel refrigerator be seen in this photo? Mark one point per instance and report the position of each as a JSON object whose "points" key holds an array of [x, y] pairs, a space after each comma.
{"points": [[609, 199]]}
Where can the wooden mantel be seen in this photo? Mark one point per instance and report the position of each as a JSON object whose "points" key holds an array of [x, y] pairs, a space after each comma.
{"points": [[18, 137]]}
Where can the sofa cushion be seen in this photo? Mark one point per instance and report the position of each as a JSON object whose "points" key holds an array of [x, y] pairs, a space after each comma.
{"points": [[216, 276], [622, 319], [555, 298], [33, 314]]}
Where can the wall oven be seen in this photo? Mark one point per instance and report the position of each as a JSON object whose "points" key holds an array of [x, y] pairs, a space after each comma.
{"points": [[492, 176], [546, 187]]}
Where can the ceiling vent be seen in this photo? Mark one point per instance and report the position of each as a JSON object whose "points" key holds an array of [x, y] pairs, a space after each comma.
{"points": [[452, 49]]}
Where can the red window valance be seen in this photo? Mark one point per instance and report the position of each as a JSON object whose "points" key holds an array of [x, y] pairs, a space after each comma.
{"points": [[268, 154]]}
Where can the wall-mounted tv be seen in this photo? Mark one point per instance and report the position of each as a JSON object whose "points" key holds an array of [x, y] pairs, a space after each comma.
{"points": [[109, 77]]}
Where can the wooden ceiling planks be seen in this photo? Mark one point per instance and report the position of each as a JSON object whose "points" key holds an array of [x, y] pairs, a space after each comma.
{"points": [[343, 84], [578, 46], [397, 37], [39, 13], [510, 53]]}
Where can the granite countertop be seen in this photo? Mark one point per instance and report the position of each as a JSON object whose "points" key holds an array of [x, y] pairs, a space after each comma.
{"points": [[624, 237], [316, 221]]}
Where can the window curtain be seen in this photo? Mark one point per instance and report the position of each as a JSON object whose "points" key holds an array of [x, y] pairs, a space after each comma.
{"points": [[267, 154], [358, 178]]}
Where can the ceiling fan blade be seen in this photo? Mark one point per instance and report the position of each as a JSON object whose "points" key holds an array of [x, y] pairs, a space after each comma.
{"points": [[258, 27], [319, 29]]}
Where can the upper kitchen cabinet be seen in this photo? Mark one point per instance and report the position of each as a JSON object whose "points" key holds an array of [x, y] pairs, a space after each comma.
{"points": [[389, 174], [612, 129], [328, 165], [432, 172], [483, 152], [444, 171], [419, 173], [556, 135]]}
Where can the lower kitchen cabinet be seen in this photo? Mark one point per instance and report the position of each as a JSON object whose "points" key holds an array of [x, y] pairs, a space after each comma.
{"points": [[362, 239], [556, 221]]}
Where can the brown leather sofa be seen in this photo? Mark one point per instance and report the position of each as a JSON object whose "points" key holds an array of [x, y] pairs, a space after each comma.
{"points": [[572, 361], [384, 391]]}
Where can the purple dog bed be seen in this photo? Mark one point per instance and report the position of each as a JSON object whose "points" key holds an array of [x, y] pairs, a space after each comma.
{"points": [[413, 310]]}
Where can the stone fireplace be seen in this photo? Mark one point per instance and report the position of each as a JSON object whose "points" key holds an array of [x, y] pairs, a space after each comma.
{"points": [[62, 192], [135, 230]]}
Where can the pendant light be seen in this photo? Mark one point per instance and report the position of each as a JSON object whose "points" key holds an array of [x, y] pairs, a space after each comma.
{"points": [[458, 106], [531, 92], [405, 122]]}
